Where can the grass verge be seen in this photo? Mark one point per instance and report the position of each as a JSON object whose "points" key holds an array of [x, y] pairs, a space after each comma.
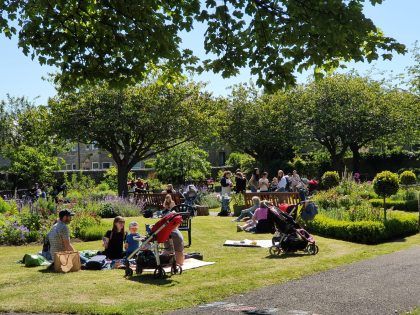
{"points": [[237, 270]]}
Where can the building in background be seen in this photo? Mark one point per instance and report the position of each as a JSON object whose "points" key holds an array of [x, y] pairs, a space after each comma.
{"points": [[90, 157]]}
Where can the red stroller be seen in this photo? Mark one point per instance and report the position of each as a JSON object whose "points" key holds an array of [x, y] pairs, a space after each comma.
{"points": [[147, 255]]}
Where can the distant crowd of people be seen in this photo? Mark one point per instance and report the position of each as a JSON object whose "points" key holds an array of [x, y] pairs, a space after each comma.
{"points": [[259, 182]]}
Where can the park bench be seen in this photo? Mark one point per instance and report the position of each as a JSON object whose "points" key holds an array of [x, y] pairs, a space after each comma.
{"points": [[155, 200], [274, 197]]}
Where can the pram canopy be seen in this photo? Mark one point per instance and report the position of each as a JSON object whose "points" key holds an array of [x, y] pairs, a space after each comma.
{"points": [[166, 225]]}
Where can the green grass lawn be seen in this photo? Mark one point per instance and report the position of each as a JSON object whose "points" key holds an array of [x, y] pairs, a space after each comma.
{"points": [[237, 270]]}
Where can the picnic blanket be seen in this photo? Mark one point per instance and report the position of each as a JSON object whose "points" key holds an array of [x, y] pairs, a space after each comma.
{"points": [[189, 263], [249, 243]]}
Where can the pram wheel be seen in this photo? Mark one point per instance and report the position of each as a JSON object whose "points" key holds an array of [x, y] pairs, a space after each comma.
{"points": [[312, 249], [276, 251], [176, 269], [128, 272], [159, 273]]}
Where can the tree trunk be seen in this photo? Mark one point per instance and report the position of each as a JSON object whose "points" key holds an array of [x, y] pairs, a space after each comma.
{"points": [[122, 179], [356, 158], [384, 208], [337, 162]]}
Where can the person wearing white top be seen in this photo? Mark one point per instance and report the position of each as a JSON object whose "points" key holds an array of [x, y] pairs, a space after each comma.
{"points": [[281, 186]]}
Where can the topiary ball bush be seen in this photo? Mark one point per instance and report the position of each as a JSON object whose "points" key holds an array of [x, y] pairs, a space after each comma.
{"points": [[386, 184], [408, 178], [330, 179]]}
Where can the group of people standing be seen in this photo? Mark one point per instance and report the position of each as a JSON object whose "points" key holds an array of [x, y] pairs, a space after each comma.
{"points": [[259, 182]]}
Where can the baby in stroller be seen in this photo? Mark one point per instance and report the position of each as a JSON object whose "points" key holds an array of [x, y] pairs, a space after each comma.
{"points": [[289, 236], [148, 253]]}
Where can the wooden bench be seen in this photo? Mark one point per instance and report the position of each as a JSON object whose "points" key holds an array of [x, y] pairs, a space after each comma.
{"points": [[274, 197], [155, 200]]}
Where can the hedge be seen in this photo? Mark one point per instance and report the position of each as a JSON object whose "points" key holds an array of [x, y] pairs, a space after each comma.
{"points": [[365, 232], [93, 232], [406, 205]]}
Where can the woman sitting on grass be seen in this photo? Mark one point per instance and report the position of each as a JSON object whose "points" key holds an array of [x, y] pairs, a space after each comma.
{"points": [[248, 213], [259, 222], [114, 239]]}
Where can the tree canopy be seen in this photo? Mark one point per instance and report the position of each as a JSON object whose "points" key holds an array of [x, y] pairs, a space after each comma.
{"points": [[118, 41], [136, 122]]}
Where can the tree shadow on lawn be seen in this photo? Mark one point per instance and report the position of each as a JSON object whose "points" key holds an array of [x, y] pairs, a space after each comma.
{"points": [[150, 279]]}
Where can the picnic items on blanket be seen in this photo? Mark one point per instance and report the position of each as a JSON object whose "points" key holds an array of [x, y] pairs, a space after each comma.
{"points": [[67, 261], [89, 253], [249, 243], [97, 262], [34, 260], [198, 256]]}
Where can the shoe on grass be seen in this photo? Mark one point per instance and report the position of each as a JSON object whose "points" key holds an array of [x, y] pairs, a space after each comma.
{"points": [[239, 228]]}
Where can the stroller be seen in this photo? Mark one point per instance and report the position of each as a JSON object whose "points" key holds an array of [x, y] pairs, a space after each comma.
{"points": [[147, 255], [289, 236]]}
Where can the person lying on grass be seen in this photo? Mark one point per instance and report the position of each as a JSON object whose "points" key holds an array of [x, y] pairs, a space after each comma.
{"points": [[259, 222]]}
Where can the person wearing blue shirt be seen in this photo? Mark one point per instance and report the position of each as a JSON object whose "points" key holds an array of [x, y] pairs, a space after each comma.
{"points": [[131, 244]]}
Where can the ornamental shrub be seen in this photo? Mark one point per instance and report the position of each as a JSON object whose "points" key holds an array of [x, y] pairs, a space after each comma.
{"points": [[330, 179], [408, 178], [366, 232], [385, 184]]}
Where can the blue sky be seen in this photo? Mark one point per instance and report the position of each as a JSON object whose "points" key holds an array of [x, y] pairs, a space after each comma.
{"points": [[20, 76]]}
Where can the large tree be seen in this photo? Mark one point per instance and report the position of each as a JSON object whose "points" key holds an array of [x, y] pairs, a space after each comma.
{"points": [[260, 126], [29, 141], [136, 122], [345, 111], [117, 40]]}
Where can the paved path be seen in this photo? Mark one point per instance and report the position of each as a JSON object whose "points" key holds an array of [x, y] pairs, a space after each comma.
{"points": [[382, 285]]}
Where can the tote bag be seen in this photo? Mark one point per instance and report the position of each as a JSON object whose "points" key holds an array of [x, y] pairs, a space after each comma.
{"points": [[67, 261]]}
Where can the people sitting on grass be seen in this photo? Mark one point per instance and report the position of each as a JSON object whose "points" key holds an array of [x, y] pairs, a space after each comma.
{"points": [[176, 242], [114, 239], [131, 243], [259, 222], [264, 183], [59, 236], [248, 213]]}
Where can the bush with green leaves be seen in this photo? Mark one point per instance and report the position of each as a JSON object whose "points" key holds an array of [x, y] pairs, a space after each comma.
{"points": [[385, 184], [5, 206], [366, 232], [108, 210], [82, 220], [408, 178], [330, 179], [242, 161], [405, 205]]}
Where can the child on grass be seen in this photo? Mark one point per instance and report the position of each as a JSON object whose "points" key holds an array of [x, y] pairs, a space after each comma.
{"points": [[131, 244]]}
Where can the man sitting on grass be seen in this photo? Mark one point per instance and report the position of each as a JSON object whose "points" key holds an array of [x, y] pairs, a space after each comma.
{"points": [[59, 236]]}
